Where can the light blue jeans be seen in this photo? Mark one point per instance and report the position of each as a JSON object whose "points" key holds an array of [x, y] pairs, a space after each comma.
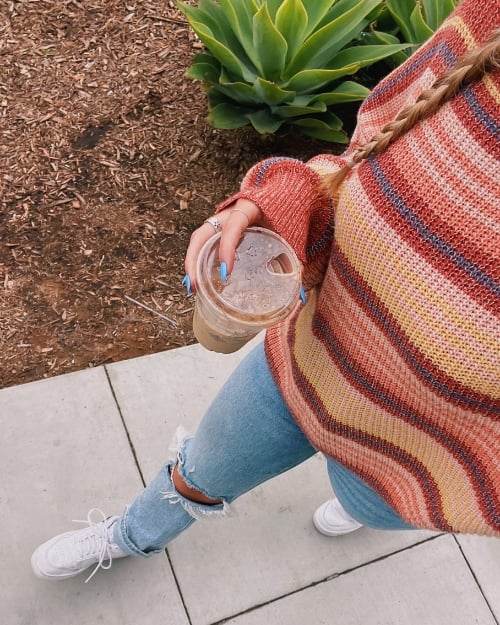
{"points": [[246, 437]]}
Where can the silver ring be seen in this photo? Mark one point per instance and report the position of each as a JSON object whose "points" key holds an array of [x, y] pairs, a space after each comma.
{"points": [[214, 222]]}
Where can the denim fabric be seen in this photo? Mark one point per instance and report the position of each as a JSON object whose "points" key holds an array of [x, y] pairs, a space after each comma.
{"points": [[246, 437], [362, 502]]}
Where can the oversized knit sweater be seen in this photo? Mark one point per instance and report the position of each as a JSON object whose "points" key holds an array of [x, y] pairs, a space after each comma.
{"points": [[392, 367]]}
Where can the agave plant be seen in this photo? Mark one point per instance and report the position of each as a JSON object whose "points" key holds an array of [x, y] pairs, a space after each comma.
{"points": [[402, 21], [410, 21], [418, 19], [273, 64]]}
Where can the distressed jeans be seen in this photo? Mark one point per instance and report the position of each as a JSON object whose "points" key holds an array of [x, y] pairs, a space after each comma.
{"points": [[246, 437]]}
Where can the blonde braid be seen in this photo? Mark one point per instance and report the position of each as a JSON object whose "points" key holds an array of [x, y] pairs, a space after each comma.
{"points": [[469, 68]]}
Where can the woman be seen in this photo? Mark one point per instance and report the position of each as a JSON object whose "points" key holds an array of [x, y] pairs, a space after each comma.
{"points": [[391, 368]]}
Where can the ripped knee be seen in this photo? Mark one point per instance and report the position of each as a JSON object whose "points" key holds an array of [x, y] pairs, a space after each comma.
{"points": [[189, 492], [182, 491]]}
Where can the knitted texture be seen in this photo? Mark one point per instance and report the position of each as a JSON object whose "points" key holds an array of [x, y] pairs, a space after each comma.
{"points": [[392, 367]]}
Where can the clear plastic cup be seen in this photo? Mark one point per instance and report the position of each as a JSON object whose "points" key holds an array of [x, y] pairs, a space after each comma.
{"points": [[263, 289]]}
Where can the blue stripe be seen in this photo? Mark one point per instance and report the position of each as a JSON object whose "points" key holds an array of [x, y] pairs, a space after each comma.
{"points": [[443, 246], [480, 114], [381, 446], [369, 303], [381, 398], [412, 66], [326, 239], [269, 163]]}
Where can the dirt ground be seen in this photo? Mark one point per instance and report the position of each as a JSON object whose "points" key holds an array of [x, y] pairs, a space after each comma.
{"points": [[106, 166]]}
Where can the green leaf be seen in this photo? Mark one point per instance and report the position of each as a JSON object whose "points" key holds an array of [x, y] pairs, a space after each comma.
{"points": [[270, 45], [227, 116], [321, 129], [215, 31], [418, 19], [314, 79], [291, 21], [273, 7], [437, 11], [295, 110], [365, 55], [421, 32], [239, 13], [377, 37], [316, 11], [223, 54], [240, 18], [237, 92], [401, 11], [213, 17], [271, 93], [351, 35], [385, 21], [337, 9], [322, 45], [204, 67], [265, 122], [348, 91], [431, 11]]}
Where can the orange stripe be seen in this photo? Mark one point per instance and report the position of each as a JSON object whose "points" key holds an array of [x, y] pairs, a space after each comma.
{"points": [[377, 358], [454, 199]]}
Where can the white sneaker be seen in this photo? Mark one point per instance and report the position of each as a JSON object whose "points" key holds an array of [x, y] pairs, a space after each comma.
{"points": [[331, 519], [68, 554]]}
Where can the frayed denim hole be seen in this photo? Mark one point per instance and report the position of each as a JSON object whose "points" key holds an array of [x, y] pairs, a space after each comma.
{"points": [[185, 471], [195, 509], [179, 439], [179, 448]]}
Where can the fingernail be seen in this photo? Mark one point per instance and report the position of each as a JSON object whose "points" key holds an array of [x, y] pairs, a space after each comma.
{"points": [[303, 297], [223, 272], [187, 283]]}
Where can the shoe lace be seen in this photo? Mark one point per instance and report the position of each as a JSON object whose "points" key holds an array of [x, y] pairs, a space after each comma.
{"points": [[95, 542]]}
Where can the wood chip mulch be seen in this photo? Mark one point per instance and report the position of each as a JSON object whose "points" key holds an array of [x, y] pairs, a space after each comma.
{"points": [[106, 166]]}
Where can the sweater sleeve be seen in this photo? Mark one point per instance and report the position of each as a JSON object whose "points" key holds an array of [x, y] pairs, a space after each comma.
{"points": [[290, 195]]}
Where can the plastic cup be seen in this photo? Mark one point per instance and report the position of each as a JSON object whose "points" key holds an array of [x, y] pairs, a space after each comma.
{"points": [[262, 290]]}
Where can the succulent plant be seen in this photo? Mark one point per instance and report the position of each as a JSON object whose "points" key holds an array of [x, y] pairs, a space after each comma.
{"points": [[405, 21], [274, 64], [418, 19]]}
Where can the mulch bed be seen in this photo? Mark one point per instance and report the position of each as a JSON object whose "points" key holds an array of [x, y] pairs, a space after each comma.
{"points": [[106, 166]]}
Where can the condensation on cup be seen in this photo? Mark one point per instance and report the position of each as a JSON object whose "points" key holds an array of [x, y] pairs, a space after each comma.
{"points": [[262, 290]]}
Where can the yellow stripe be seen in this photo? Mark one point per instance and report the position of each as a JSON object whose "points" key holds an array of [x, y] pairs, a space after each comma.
{"points": [[348, 406], [324, 168], [492, 88], [415, 328], [463, 30], [374, 241], [350, 224]]}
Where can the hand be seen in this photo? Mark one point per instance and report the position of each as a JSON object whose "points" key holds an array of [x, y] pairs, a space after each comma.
{"points": [[234, 220]]}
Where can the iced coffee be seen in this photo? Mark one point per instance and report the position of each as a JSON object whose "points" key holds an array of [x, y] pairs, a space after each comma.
{"points": [[263, 289]]}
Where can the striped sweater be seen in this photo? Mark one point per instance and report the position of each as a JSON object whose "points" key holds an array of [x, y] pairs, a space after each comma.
{"points": [[392, 367]]}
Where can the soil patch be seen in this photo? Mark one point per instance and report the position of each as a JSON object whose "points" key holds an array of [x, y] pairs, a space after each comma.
{"points": [[106, 166]]}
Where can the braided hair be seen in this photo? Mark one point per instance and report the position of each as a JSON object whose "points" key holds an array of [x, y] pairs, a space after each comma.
{"points": [[469, 68]]}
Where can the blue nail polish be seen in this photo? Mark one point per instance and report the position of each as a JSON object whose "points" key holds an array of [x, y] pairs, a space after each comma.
{"points": [[303, 297], [223, 272], [187, 283]]}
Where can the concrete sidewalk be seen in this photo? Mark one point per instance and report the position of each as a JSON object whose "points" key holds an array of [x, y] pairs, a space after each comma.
{"points": [[90, 439]]}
